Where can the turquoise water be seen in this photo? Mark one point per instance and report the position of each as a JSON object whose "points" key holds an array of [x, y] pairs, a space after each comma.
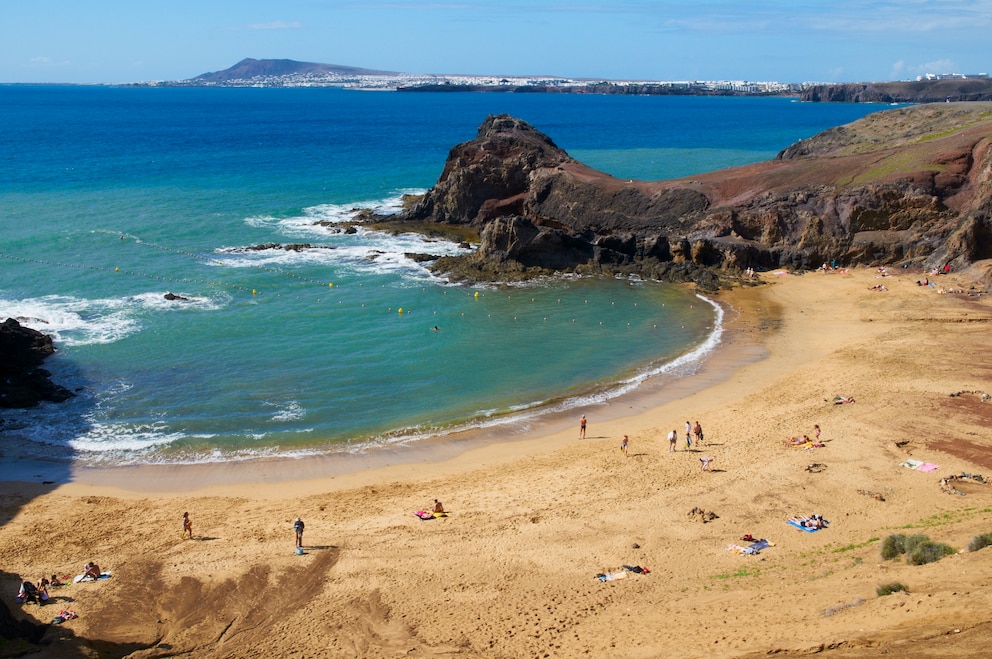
{"points": [[112, 197]]}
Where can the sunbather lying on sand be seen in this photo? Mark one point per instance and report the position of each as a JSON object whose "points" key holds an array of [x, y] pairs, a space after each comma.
{"points": [[811, 522]]}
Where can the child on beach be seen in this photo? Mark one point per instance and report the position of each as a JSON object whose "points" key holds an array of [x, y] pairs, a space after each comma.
{"points": [[187, 527], [697, 430], [673, 437], [623, 446], [688, 435]]}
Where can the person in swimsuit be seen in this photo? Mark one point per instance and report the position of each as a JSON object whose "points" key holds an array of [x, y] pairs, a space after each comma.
{"points": [[298, 528], [187, 527]]}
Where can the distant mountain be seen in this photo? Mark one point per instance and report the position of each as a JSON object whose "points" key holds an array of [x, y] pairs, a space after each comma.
{"points": [[250, 68]]}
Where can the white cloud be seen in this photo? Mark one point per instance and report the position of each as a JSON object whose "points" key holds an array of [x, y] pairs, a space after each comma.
{"points": [[903, 71]]}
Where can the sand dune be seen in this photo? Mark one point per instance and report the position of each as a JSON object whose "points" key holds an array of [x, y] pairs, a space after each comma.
{"points": [[512, 571]]}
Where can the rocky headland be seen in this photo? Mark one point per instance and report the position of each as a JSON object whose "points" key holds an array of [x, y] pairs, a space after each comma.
{"points": [[23, 383], [909, 186], [916, 91]]}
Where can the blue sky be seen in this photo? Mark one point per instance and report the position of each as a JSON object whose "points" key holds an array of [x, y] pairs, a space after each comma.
{"points": [[760, 40]]}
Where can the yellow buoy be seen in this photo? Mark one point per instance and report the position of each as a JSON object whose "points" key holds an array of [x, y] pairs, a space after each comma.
{"points": [[117, 269], [400, 310], [254, 292], [331, 285], [477, 294]]}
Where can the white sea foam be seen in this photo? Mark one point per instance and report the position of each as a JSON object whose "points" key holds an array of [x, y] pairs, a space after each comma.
{"points": [[114, 438], [73, 321], [288, 411], [361, 249]]}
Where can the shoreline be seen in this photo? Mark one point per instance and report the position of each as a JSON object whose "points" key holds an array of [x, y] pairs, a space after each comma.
{"points": [[513, 569], [738, 346]]}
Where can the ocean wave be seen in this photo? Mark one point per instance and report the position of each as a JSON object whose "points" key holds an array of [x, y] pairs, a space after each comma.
{"points": [[358, 250], [288, 411], [73, 321]]}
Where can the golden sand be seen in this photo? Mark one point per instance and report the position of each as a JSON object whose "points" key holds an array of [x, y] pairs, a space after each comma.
{"points": [[511, 572]]}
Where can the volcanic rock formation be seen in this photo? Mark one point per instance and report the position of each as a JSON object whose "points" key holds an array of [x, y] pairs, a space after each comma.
{"points": [[910, 186], [22, 382]]}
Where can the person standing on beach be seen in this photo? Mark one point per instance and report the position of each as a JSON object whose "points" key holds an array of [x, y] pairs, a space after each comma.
{"points": [[623, 446], [688, 435], [298, 527], [816, 431], [673, 437], [697, 430], [582, 427], [187, 527]]}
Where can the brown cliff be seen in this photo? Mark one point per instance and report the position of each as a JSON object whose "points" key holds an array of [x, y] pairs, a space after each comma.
{"points": [[914, 91], [910, 186]]}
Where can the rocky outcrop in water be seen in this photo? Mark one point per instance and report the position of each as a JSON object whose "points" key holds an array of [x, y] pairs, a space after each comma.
{"points": [[23, 383], [908, 186]]}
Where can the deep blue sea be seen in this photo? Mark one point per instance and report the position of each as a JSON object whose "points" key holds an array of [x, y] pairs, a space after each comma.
{"points": [[111, 197]]}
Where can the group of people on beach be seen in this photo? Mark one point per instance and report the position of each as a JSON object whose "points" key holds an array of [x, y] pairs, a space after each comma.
{"points": [[693, 432], [37, 593]]}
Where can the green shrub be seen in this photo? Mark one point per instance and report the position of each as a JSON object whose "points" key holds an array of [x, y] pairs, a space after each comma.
{"points": [[912, 542], [889, 588], [929, 552], [893, 546], [980, 541]]}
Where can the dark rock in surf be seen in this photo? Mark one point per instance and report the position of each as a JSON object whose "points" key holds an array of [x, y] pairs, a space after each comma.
{"points": [[23, 383]]}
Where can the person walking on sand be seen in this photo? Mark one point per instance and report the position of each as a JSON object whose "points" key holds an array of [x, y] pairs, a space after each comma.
{"points": [[298, 528], [816, 431], [582, 427], [697, 430], [623, 446], [187, 527], [673, 437], [688, 435]]}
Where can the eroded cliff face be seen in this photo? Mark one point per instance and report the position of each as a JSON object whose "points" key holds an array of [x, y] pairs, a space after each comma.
{"points": [[919, 91], [907, 186]]}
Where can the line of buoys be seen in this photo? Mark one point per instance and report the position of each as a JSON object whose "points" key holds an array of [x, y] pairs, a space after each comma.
{"points": [[214, 261], [117, 270]]}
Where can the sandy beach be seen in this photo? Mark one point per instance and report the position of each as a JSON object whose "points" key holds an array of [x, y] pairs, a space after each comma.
{"points": [[512, 570]]}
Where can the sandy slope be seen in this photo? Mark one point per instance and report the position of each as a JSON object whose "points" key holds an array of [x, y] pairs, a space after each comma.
{"points": [[511, 573]]}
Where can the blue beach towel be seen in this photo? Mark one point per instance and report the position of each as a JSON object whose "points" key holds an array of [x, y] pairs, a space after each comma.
{"points": [[799, 526]]}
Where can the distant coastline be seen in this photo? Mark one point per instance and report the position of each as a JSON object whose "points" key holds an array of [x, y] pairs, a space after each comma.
{"points": [[289, 73]]}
